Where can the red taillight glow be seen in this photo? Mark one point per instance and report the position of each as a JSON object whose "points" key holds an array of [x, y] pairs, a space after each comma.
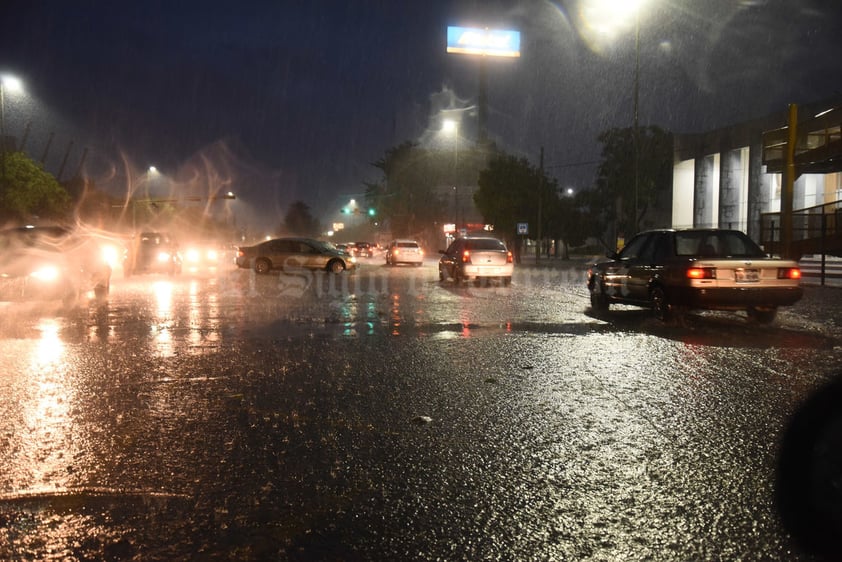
{"points": [[508, 257], [701, 273], [466, 256], [789, 273]]}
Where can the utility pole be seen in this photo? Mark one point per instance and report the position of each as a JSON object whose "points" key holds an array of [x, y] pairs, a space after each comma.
{"points": [[540, 197], [788, 187]]}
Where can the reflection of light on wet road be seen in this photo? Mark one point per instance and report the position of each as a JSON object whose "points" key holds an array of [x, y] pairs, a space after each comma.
{"points": [[163, 300], [42, 456]]}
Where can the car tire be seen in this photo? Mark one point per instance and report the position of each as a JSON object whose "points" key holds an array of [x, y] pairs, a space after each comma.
{"points": [[660, 305], [599, 302], [262, 266], [442, 276], [507, 281], [762, 315], [101, 291], [336, 266]]}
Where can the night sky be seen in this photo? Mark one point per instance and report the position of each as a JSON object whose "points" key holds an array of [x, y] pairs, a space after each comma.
{"points": [[293, 100]]}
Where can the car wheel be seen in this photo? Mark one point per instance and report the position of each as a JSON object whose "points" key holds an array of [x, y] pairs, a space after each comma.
{"points": [[660, 304], [101, 291], [599, 302], [262, 266], [442, 276], [336, 266], [762, 315], [507, 281]]}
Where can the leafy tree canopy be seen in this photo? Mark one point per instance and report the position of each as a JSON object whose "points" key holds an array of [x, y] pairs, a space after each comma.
{"points": [[299, 221], [27, 191]]}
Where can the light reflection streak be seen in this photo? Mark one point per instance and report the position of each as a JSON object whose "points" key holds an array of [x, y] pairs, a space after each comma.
{"points": [[45, 447]]}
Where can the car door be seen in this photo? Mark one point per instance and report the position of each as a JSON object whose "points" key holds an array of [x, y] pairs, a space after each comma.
{"points": [[622, 275], [450, 258], [646, 265]]}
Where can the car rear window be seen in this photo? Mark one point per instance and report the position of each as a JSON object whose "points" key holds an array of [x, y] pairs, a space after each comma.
{"points": [[485, 244], [713, 244], [407, 245]]}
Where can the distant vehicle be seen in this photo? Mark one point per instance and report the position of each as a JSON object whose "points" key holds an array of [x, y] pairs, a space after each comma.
{"points": [[294, 253], [363, 249], [205, 254], [52, 262], [675, 270], [477, 258], [404, 251], [153, 252]]}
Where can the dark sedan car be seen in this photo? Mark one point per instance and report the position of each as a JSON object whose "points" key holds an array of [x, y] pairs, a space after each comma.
{"points": [[674, 270], [294, 253], [52, 262]]}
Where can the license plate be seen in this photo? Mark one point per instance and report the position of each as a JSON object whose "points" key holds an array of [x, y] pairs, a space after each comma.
{"points": [[747, 275]]}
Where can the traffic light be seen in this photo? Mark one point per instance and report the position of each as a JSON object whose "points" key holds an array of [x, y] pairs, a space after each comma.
{"points": [[371, 212]]}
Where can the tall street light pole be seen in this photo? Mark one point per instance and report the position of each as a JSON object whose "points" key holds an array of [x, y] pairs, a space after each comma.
{"points": [[452, 127], [11, 83], [635, 118]]}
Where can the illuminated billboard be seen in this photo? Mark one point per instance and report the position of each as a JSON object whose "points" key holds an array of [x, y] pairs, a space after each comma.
{"points": [[490, 42]]}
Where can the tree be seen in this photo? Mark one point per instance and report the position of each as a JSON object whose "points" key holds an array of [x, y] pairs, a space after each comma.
{"points": [[27, 191], [299, 221], [613, 207], [416, 191], [509, 192]]}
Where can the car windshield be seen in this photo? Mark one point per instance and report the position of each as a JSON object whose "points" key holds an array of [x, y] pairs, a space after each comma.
{"points": [[716, 244]]}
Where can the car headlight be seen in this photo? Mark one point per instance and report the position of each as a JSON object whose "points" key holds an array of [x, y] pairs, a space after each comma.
{"points": [[192, 255], [164, 256], [212, 255], [47, 273], [111, 256], [352, 259]]}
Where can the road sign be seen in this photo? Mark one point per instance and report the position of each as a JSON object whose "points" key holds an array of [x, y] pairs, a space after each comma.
{"points": [[523, 228]]}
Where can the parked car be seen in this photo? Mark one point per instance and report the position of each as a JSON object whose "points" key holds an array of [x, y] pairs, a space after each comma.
{"points": [[404, 251], [675, 270], [52, 262], [476, 257], [294, 253], [153, 252]]}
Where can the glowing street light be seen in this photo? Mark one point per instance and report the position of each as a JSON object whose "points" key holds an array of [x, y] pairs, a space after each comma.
{"points": [[12, 84]]}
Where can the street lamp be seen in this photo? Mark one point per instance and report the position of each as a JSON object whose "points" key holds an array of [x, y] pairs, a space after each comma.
{"points": [[451, 127], [12, 84]]}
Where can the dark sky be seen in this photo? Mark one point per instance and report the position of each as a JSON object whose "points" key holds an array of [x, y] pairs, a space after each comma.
{"points": [[292, 100]]}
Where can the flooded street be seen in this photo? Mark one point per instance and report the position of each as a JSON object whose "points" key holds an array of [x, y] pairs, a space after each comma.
{"points": [[386, 415]]}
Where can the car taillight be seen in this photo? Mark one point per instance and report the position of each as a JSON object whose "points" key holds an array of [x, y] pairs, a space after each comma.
{"points": [[509, 257], [789, 273], [240, 253], [396, 252], [701, 273], [466, 256]]}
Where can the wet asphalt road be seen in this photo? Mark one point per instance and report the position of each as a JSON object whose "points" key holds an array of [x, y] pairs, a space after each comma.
{"points": [[385, 416]]}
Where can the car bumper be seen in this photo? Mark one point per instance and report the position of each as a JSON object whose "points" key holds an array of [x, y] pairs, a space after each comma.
{"points": [[737, 297], [472, 271]]}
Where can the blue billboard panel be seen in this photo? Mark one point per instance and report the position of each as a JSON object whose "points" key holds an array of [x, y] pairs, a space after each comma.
{"points": [[476, 41]]}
